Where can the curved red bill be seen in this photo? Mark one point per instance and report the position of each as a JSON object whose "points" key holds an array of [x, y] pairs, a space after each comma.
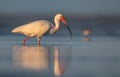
{"points": [[65, 22]]}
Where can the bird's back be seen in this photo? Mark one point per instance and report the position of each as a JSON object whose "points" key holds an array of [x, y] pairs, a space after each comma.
{"points": [[39, 27]]}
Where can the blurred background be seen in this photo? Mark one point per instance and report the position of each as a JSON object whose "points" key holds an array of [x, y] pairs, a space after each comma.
{"points": [[100, 16], [58, 56]]}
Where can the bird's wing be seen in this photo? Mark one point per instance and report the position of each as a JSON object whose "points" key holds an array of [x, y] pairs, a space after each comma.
{"points": [[33, 28]]}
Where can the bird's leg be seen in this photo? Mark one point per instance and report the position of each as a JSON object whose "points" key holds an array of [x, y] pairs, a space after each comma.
{"points": [[38, 40], [24, 40]]}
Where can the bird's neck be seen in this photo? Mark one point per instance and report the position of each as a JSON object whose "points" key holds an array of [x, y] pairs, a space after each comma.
{"points": [[57, 24]]}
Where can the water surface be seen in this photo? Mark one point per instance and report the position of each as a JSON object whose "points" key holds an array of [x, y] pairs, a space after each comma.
{"points": [[60, 57]]}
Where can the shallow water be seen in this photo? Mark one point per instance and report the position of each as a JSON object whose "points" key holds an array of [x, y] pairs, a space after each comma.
{"points": [[60, 57]]}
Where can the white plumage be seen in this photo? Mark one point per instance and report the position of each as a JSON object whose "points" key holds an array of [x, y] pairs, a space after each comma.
{"points": [[40, 28], [36, 28]]}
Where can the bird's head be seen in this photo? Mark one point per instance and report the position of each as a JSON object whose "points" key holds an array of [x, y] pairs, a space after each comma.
{"points": [[60, 17]]}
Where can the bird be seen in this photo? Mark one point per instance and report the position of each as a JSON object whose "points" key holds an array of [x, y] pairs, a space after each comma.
{"points": [[40, 28], [86, 32]]}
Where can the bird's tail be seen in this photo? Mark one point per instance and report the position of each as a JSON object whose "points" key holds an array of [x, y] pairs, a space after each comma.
{"points": [[15, 30]]}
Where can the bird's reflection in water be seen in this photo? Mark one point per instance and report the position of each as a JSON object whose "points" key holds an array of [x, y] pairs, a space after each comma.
{"points": [[41, 58], [62, 57], [86, 39], [31, 57]]}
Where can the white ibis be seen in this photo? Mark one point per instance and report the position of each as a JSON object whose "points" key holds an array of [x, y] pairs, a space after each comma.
{"points": [[41, 28]]}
